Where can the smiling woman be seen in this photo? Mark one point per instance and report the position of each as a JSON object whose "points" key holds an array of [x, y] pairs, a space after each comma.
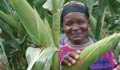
{"points": [[75, 22]]}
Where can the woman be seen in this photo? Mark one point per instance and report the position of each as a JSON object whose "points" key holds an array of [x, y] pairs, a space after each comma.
{"points": [[75, 22]]}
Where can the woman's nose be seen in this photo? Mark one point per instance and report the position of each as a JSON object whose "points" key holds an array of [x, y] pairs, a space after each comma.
{"points": [[75, 27]]}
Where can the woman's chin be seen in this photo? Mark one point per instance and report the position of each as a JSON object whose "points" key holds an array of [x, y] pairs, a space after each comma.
{"points": [[77, 40]]}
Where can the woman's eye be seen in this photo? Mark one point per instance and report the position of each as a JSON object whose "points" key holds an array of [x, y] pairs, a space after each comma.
{"points": [[68, 24], [81, 22]]}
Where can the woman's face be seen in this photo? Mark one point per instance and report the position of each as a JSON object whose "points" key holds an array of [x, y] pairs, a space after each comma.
{"points": [[75, 25]]}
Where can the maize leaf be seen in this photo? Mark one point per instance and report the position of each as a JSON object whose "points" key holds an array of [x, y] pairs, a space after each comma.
{"points": [[92, 28], [89, 4], [57, 4], [3, 58], [32, 23], [114, 6], [94, 51], [101, 9], [118, 1], [9, 19], [39, 3], [8, 34], [43, 59], [48, 5]]}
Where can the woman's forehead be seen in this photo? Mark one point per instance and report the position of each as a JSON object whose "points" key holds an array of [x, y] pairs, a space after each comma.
{"points": [[74, 15]]}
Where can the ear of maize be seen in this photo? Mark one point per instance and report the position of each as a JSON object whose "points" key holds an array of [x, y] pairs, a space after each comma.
{"points": [[32, 23], [94, 51]]}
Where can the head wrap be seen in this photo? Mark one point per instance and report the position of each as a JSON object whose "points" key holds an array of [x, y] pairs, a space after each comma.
{"points": [[74, 6]]}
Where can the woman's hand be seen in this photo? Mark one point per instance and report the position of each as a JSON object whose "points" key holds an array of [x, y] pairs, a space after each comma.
{"points": [[71, 58], [117, 68]]}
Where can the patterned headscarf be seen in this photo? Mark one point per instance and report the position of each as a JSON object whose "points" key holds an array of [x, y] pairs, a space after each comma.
{"points": [[74, 6]]}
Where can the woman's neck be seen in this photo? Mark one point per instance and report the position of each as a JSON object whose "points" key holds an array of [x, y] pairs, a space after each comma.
{"points": [[82, 45], [81, 42]]}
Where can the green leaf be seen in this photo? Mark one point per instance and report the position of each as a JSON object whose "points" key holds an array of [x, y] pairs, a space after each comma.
{"points": [[101, 10], [22, 34], [89, 4], [9, 20], [39, 3], [114, 7], [48, 5], [8, 34], [3, 56], [118, 1]]}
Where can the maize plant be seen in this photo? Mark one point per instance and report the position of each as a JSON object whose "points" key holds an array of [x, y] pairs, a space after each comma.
{"points": [[45, 56], [39, 32]]}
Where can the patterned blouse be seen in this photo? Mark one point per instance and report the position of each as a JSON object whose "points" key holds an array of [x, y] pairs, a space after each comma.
{"points": [[106, 62]]}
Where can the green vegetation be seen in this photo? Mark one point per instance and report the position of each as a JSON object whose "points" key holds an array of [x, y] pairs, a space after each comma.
{"points": [[29, 31]]}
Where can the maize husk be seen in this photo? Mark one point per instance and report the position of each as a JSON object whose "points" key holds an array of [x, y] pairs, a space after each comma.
{"points": [[32, 22], [94, 51], [40, 59], [4, 64]]}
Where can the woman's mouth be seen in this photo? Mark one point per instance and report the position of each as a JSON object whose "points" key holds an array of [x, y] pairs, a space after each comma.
{"points": [[77, 35]]}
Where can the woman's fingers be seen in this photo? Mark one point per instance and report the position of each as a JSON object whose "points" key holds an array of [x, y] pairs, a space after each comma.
{"points": [[75, 55], [66, 62], [78, 51], [70, 58]]}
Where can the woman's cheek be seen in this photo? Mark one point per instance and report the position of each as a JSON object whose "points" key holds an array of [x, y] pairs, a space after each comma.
{"points": [[66, 29], [85, 28]]}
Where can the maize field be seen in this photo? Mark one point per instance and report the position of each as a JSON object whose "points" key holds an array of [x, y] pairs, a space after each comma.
{"points": [[30, 32]]}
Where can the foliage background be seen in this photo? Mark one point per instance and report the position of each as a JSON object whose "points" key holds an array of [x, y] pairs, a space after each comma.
{"points": [[14, 40]]}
